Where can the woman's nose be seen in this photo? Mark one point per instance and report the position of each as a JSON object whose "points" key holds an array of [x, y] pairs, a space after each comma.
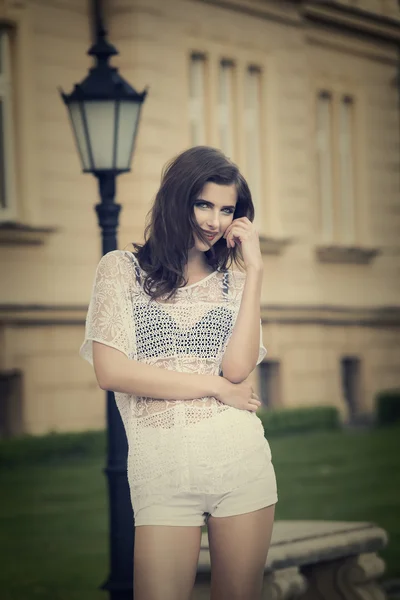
{"points": [[213, 222]]}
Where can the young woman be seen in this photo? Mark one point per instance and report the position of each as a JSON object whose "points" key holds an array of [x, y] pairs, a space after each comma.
{"points": [[175, 334]]}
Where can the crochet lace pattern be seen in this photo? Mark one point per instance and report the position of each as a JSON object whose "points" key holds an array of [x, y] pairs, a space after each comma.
{"points": [[198, 445]]}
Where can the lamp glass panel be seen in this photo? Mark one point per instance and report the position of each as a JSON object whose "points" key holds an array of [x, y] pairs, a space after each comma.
{"points": [[76, 115], [127, 125], [100, 115]]}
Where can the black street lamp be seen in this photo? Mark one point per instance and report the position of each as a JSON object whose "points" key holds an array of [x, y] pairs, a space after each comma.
{"points": [[104, 111]]}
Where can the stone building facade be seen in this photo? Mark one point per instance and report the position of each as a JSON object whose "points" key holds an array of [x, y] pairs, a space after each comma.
{"points": [[302, 95]]}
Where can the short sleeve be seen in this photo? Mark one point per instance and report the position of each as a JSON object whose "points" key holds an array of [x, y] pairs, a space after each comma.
{"points": [[109, 318], [262, 350]]}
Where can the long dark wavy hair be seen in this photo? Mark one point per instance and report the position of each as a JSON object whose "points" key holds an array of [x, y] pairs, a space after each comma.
{"points": [[170, 223]]}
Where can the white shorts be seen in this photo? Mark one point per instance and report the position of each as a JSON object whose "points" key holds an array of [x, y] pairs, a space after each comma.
{"points": [[193, 509]]}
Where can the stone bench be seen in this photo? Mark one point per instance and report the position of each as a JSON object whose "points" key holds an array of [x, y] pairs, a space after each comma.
{"points": [[315, 560]]}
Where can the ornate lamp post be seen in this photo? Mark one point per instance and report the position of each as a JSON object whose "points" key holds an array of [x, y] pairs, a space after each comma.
{"points": [[104, 111]]}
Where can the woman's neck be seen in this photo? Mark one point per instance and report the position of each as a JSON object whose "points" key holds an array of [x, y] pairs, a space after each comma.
{"points": [[196, 266]]}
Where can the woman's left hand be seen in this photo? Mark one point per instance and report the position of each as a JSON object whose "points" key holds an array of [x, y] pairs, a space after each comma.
{"points": [[242, 231]]}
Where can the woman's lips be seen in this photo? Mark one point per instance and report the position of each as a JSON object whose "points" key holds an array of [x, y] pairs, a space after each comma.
{"points": [[211, 237]]}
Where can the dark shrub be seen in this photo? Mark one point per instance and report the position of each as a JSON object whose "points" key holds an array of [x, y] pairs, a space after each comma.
{"points": [[387, 407], [278, 422], [54, 448]]}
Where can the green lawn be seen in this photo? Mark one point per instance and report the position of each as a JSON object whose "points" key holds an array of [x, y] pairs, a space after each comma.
{"points": [[53, 518]]}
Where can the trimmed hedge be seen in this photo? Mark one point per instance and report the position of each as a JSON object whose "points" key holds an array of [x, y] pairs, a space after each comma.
{"points": [[54, 448], [387, 407], [57, 448], [278, 422]]}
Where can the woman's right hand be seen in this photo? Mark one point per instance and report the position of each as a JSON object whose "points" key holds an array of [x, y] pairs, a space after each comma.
{"points": [[238, 395]]}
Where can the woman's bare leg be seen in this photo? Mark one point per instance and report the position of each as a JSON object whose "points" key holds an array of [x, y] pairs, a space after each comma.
{"points": [[238, 550], [165, 561]]}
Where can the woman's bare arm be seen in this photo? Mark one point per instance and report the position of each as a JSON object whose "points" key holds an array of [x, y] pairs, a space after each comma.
{"points": [[116, 372], [241, 354]]}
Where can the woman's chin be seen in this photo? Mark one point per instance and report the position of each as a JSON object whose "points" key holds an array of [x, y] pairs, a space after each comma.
{"points": [[202, 246], [205, 246]]}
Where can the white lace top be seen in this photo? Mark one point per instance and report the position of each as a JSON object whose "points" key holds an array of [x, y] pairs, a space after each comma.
{"points": [[192, 445]]}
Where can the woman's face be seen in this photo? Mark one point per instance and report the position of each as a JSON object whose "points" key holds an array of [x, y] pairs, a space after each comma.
{"points": [[213, 211]]}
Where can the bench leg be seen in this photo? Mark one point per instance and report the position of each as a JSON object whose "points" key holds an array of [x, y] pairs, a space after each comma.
{"points": [[352, 578], [284, 584]]}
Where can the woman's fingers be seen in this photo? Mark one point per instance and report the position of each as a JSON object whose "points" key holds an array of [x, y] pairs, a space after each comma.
{"points": [[254, 402], [232, 230], [255, 407]]}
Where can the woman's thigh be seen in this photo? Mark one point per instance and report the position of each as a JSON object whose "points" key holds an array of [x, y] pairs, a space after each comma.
{"points": [[165, 561], [238, 550]]}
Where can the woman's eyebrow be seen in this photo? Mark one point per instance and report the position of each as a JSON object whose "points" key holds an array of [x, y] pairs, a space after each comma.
{"points": [[211, 204]]}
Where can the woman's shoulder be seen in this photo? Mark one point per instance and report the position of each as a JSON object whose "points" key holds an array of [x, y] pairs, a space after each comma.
{"points": [[117, 262], [118, 256], [237, 276]]}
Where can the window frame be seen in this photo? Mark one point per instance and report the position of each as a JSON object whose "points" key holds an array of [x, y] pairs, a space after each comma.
{"points": [[347, 167], [338, 230], [253, 131], [8, 212], [226, 109], [325, 145], [197, 105], [267, 214], [27, 221]]}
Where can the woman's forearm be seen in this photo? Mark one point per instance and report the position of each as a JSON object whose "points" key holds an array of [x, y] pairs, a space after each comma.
{"points": [[116, 372], [241, 354]]}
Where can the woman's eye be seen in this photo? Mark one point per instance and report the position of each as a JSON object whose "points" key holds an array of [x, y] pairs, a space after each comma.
{"points": [[226, 211]]}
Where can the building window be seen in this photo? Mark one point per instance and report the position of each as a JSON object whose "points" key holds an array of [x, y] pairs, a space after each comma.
{"points": [[347, 169], [226, 107], [350, 373], [216, 116], [11, 422], [7, 194], [269, 371], [197, 99], [336, 166], [325, 163], [253, 132]]}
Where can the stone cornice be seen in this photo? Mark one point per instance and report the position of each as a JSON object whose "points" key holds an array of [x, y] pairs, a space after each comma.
{"points": [[12, 234], [7, 6], [353, 19], [273, 11], [342, 254], [385, 316], [36, 314], [273, 245]]}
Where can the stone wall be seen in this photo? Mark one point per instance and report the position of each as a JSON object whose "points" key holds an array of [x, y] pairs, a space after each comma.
{"points": [[46, 288]]}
